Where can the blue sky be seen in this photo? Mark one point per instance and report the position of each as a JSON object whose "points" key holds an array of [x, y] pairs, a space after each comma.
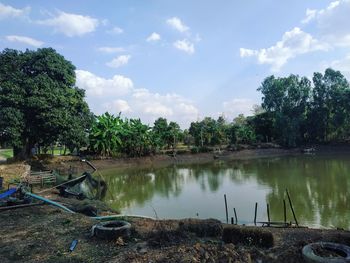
{"points": [[182, 60]]}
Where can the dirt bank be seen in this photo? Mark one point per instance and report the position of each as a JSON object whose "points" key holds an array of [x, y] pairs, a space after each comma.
{"points": [[44, 234], [65, 163]]}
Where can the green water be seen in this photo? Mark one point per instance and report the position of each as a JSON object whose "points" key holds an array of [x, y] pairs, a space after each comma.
{"points": [[319, 187]]}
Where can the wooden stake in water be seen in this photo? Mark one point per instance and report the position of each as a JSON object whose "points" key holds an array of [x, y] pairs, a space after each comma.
{"points": [[291, 207], [284, 211], [226, 208], [268, 214], [232, 221], [234, 211], [256, 210]]}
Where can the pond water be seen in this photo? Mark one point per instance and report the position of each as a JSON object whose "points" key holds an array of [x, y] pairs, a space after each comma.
{"points": [[319, 187]]}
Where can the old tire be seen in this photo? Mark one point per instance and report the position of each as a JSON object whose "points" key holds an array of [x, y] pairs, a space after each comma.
{"points": [[111, 229], [311, 257]]}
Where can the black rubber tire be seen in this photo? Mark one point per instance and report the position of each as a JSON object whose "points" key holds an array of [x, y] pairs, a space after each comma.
{"points": [[112, 229], [310, 256]]}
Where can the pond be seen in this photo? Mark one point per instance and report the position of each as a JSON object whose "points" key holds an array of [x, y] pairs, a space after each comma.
{"points": [[319, 188]]}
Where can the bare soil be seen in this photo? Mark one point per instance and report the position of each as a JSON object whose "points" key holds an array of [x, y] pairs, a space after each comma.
{"points": [[44, 234]]}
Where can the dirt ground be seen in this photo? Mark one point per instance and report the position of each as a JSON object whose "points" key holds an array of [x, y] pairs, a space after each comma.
{"points": [[44, 234]]}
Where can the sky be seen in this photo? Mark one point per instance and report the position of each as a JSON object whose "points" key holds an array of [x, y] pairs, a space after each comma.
{"points": [[181, 59]]}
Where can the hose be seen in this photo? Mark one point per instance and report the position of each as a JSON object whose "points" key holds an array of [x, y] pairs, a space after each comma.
{"points": [[70, 211]]}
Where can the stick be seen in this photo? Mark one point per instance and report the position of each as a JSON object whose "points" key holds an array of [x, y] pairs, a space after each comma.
{"points": [[19, 206], [231, 220], [234, 210], [268, 214], [291, 207], [256, 210], [285, 211], [226, 208]]}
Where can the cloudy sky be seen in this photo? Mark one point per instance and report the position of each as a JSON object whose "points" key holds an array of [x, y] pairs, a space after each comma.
{"points": [[181, 59]]}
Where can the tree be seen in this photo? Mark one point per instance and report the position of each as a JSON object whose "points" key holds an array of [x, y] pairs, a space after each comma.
{"points": [[174, 134], [287, 100], [160, 132], [38, 100], [137, 138], [107, 134], [328, 116]]}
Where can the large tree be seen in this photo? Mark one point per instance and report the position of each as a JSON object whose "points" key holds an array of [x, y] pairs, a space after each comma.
{"points": [[329, 111], [287, 100], [39, 102]]}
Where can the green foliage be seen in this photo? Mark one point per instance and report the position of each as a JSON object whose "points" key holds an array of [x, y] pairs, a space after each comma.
{"points": [[106, 134], [111, 135], [39, 103], [287, 99], [166, 135]]}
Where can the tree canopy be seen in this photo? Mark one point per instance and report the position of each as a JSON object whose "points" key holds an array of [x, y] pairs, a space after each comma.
{"points": [[39, 103]]}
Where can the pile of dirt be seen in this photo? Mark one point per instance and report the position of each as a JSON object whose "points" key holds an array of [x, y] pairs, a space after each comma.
{"points": [[13, 172]]}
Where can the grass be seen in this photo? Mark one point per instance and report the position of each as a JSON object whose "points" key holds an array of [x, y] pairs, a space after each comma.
{"points": [[6, 153]]}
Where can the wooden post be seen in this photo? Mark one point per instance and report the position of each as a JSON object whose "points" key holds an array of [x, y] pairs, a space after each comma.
{"points": [[231, 220], [291, 207], [256, 210], [234, 210], [226, 208], [268, 214]]}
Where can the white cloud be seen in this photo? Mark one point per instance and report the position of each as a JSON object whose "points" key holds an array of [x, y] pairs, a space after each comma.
{"points": [[332, 22], [7, 11], [117, 106], [177, 24], [25, 40], [343, 65], [119, 61], [310, 15], [117, 94], [293, 43], [172, 106], [115, 30], [185, 46], [96, 86], [111, 49], [71, 24], [154, 37], [235, 107]]}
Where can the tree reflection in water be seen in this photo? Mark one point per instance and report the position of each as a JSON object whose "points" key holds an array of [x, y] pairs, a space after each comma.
{"points": [[318, 185]]}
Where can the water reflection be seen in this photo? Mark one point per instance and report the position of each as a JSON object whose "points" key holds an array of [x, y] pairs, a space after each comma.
{"points": [[318, 186]]}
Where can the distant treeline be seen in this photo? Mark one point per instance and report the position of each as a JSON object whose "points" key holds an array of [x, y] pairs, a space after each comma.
{"points": [[294, 111], [40, 107]]}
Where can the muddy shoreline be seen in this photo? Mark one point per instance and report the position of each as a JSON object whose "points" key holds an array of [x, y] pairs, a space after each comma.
{"points": [[63, 163], [44, 234]]}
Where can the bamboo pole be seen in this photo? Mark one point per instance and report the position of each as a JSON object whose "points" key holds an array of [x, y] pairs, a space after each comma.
{"points": [[256, 210], [226, 208], [234, 211], [291, 207]]}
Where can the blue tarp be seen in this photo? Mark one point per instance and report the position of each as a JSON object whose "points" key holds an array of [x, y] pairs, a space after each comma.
{"points": [[8, 193]]}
